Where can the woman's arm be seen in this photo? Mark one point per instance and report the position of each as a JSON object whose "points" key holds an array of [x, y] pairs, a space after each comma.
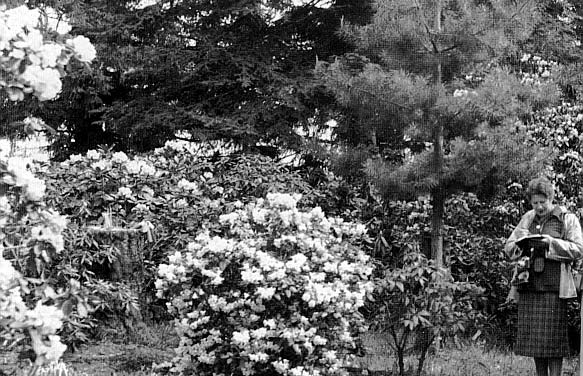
{"points": [[519, 231], [571, 247]]}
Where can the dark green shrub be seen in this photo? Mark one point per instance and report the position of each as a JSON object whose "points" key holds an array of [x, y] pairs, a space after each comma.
{"points": [[417, 302], [474, 236]]}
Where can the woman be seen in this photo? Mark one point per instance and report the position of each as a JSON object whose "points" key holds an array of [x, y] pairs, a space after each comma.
{"points": [[542, 303]]}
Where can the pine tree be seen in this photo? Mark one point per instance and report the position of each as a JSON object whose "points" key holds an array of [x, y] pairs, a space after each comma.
{"points": [[430, 79]]}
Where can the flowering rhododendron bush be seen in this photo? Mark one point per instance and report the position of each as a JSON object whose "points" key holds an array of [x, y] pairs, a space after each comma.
{"points": [[560, 127], [31, 232], [174, 189], [31, 237], [276, 291], [171, 193]]}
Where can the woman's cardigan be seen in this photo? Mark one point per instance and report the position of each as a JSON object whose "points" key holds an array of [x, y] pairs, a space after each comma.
{"points": [[565, 250]]}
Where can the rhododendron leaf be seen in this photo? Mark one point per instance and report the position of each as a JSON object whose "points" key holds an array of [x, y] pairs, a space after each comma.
{"points": [[67, 307]]}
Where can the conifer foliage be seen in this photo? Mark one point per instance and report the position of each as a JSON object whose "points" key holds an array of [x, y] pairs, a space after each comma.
{"points": [[429, 79], [232, 69]]}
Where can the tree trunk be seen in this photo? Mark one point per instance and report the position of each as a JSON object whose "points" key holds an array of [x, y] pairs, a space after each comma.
{"points": [[438, 193], [400, 343], [438, 203], [373, 137], [425, 343]]}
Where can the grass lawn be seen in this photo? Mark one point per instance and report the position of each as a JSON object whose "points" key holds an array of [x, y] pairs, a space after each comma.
{"points": [[471, 359], [475, 361], [133, 356]]}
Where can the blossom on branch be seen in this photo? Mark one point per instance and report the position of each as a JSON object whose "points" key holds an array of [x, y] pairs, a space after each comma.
{"points": [[30, 63]]}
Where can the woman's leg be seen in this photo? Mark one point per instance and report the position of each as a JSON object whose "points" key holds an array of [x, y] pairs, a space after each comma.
{"points": [[555, 366], [542, 366]]}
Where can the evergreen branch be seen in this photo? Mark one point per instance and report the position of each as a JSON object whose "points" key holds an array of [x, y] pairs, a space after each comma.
{"points": [[482, 31], [432, 33], [386, 100], [421, 18], [312, 3], [426, 26], [449, 49], [519, 11], [437, 28], [435, 49]]}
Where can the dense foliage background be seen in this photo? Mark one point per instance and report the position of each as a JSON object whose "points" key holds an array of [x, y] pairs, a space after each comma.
{"points": [[432, 135]]}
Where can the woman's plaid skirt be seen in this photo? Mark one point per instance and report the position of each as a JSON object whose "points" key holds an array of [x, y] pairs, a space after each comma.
{"points": [[542, 325]]}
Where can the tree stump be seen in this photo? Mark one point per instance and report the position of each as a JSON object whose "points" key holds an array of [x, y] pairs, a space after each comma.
{"points": [[128, 266]]}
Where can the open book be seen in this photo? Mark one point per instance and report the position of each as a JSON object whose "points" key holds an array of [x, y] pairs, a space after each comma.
{"points": [[532, 243]]}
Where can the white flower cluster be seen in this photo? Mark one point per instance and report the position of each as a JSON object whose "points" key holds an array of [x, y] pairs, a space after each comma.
{"points": [[190, 186], [302, 296], [102, 164], [91, 154], [34, 124], [196, 149], [282, 209], [506, 209], [19, 175], [283, 201], [541, 69], [41, 225], [140, 167], [135, 166], [8, 275], [569, 13], [462, 93], [31, 64], [557, 126], [44, 233], [125, 192], [42, 322], [119, 157], [180, 146], [473, 78], [47, 318], [48, 225], [83, 49]]}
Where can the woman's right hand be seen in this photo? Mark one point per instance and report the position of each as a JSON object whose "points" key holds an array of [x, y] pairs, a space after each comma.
{"points": [[515, 253]]}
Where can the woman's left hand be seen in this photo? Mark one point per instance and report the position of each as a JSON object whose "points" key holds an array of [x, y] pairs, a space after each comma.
{"points": [[547, 239]]}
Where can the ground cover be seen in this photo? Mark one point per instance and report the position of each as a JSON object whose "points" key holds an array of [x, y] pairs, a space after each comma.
{"points": [[134, 358], [461, 359]]}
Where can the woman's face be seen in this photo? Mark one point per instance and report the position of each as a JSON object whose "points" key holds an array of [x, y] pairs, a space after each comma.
{"points": [[541, 204]]}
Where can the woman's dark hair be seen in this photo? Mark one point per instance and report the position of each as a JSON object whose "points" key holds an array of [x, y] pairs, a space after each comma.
{"points": [[540, 186]]}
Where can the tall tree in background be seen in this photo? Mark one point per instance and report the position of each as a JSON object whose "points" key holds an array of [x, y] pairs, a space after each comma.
{"points": [[429, 79], [236, 70]]}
